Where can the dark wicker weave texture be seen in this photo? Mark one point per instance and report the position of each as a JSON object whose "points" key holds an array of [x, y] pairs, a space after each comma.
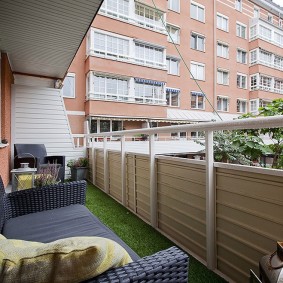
{"points": [[46, 198], [170, 265]]}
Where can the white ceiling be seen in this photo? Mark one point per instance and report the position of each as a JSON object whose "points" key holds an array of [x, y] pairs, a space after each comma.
{"points": [[41, 37]]}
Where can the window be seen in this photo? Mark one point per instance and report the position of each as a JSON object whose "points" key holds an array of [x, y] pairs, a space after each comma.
{"points": [[263, 103], [69, 87], [174, 5], [265, 32], [270, 18], [198, 135], [241, 106], [109, 88], [241, 56], [222, 50], [265, 83], [238, 5], [178, 135], [222, 103], [265, 57], [111, 46], [150, 92], [173, 66], [148, 55], [197, 100], [116, 8], [278, 38], [253, 32], [241, 30], [102, 126], [197, 12], [148, 17], [241, 81], [197, 42], [254, 105], [280, 23], [223, 77], [173, 34], [172, 96], [198, 71], [278, 85], [254, 85], [256, 12], [278, 62], [222, 22], [253, 57]]}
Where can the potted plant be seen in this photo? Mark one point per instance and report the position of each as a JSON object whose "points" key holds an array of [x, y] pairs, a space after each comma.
{"points": [[47, 175], [78, 168]]}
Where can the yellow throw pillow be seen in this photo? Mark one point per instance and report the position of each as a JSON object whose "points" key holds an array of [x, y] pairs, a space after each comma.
{"points": [[66, 260]]}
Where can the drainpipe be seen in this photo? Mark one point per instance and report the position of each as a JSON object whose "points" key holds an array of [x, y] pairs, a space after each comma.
{"points": [[214, 103]]}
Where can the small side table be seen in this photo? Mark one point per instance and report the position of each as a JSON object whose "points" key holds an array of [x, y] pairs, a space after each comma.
{"points": [[17, 183]]}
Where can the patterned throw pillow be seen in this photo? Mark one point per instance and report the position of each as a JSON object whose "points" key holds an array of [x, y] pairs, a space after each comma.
{"points": [[65, 260]]}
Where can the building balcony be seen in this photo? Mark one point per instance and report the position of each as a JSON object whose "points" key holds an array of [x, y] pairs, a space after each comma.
{"points": [[266, 31], [220, 213]]}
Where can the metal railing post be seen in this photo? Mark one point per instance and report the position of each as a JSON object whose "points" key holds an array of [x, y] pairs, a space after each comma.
{"points": [[123, 170], [106, 167], [210, 202], [152, 182], [93, 151]]}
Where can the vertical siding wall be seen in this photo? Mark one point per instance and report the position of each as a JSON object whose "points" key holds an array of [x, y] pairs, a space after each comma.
{"points": [[138, 185], [249, 205], [249, 219], [181, 203]]}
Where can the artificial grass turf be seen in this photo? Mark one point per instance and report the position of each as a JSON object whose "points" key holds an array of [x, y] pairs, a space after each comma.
{"points": [[140, 236]]}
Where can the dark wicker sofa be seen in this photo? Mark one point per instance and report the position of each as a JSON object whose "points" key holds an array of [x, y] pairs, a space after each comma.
{"points": [[55, 212]]}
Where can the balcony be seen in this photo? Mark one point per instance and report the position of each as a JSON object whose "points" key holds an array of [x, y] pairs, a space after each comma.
{"points": [[226, 215], [264, 30]]}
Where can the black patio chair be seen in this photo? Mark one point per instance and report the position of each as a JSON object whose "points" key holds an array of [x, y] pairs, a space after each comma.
{"points": [[36, 156]]}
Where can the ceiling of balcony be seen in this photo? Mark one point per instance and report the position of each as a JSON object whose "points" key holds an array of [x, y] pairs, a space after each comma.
{"points": [[41, 37]]}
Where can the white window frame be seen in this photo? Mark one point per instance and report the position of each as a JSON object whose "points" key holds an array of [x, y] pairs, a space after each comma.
{"points": [[241, 81], [115, 14], [198, 64], [169, 27], [169, 70], [170, 98], [239, 103], [223, 72], [246, 57], [254, 105], [280, 23], [270, 18], [241, 25], [197, 102], [222, 45], [145, 61], [147, 22], [92, 94], [104, 53], [222, 17], [170, 6], [72, 75], [222, 99], [199, 6], [238, 5], [256, 11], [256, 85], [198, 35]]}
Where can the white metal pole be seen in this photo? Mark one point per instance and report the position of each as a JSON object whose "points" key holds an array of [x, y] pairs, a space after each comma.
{"points": [[152, 182], [93, 151], [210, 203], [123, 170], [106, 167]]}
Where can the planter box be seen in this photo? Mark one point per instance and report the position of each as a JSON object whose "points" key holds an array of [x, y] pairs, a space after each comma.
{"points": [[78, 173]]}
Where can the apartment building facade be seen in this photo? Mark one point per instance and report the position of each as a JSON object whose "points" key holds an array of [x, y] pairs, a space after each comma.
{"points": [[155, 63]]}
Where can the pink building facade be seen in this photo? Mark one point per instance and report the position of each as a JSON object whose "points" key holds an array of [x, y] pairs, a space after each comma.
{"points": [[128, 73]]}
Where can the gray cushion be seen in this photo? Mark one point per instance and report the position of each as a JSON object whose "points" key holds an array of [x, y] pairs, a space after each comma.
{"points": [[71, 221]]}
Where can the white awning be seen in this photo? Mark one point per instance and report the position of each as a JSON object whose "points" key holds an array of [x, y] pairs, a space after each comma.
{"points": [[198, 116]]}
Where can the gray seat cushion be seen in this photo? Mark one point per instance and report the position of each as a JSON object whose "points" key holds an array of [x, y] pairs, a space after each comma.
{"points": [[71, 221]]}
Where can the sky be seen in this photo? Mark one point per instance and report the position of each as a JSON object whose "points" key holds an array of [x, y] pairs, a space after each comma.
{"points": [[279, 2]]}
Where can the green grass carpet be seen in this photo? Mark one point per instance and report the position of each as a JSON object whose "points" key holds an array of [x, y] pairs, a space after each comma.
{"points": [[141, 237]]}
